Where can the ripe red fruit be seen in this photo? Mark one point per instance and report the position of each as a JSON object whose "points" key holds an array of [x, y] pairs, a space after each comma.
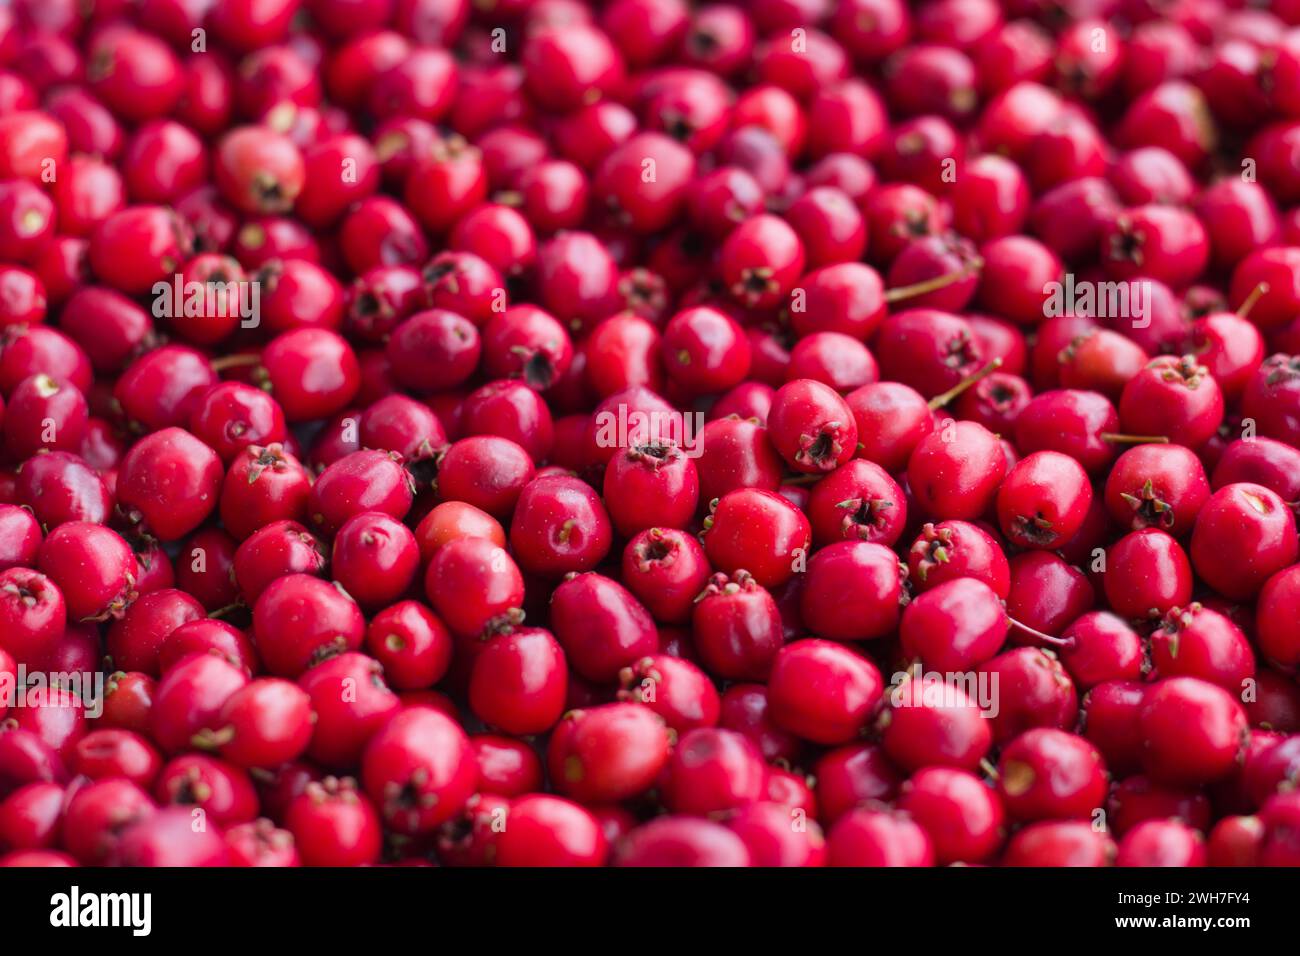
{"points": [[559, 526], [1043, 500], [1147, 573], [852, 591], [955, 472], [544, 830], [419, 769], [666, 569], [812, 427], [189, 699], [334, 825], [33, 612], [410, 642], [1161, 843], [673, 688], [169, 482], [823, 691], [474, 584], [601, 626], [608, 753], [1243, 534], [737, 627], [962, 815], [857, 501], [301, 620], [1157, 486], [519, 681], [1049, 774], [682, 841], [954, 626], [93, 567], [653, 484], [375, 558], [1193, 731], [265, 723], [759, 531], [711, 771], [1059, 843]]}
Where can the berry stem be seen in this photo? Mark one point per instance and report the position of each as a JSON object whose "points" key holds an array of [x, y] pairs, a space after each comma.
{"points": [[1120, 439], [1256, 294], [1045, 638], [901, 292], [939, 401], [235, 361]]}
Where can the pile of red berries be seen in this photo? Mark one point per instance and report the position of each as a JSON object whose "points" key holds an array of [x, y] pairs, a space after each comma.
{"points": [[790, 432]]}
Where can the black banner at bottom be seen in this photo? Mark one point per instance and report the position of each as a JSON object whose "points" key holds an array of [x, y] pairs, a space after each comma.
{"points": [[331, 906]]}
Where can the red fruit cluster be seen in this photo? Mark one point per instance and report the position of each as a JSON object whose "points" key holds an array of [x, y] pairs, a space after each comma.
{"points": [[649, 433]]}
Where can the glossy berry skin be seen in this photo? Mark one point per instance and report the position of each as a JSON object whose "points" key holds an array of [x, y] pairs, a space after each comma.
{"points": [[758, 531], [675, 689], [1175, 397], [666, 569], [954, 626], [852, 591], [263, 485], [559, 526], [473, 584], [737, 627], [283, 547], [1180, 710], [931, 722], [334, 825], [735, 453], [93, 567], [705, 351], [34, 612], [1147, 573], [955, 472], [419, 769], [608, 753], [823, 691], [1102, 647], [1199, 642], [486, 471], [963, 817], [811, 427], [713, 770], [1059, 843], [312, 372], [1166, 843], [1244, 534], [857, 501], [957, 549], [375, 558], [1157, 486], [550, 831], [601, 626], [1275, 613], [519, 681], [412, 644], [872, 838], [136, 640], [1050, 774], [171, 480], [651, 485], [300, 620], [891, 419], [1043, 500], [351, 702], [362, 481], [189, 699]]}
